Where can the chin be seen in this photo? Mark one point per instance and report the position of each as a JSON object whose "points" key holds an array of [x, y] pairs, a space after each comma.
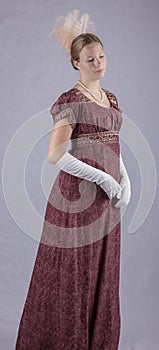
{"points": [[100, 73]]}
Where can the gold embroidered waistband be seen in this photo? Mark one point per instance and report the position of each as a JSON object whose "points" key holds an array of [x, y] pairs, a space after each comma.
{"points": [[97, 137]]}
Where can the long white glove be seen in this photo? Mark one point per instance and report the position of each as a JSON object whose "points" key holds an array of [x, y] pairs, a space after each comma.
{"points": [[125, 185], [76, 167]]}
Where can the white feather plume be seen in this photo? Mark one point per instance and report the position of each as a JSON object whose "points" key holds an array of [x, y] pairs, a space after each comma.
{"points": [[71, 25], [84, 24]]}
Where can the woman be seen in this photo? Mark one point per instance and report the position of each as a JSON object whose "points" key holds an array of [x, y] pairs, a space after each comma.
{"points": [[73, 297]]}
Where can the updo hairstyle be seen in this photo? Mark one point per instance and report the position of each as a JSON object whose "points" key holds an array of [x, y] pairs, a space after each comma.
{"points": [[79, 42]]}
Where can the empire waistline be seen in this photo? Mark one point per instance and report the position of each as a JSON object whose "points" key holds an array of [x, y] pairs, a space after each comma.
{"points": [[97, 137]]}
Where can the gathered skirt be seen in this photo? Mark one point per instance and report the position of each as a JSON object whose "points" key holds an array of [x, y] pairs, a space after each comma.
{"points": [[73, 297]]}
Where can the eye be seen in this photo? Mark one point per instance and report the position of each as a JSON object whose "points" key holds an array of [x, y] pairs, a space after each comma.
{"points": [[91, 60]]}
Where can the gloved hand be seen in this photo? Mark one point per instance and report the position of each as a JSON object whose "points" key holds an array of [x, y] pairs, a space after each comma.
{"points": [[125, 185], [76, 167]]}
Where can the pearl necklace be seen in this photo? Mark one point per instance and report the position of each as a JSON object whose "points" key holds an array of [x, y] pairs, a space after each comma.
{"points": [[91, 93]]}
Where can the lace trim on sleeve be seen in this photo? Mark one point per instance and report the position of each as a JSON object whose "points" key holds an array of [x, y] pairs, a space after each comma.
{"points": [[63, 114]]}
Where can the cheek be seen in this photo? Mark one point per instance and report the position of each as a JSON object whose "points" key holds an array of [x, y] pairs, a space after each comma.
{"points": [[86, 67]]}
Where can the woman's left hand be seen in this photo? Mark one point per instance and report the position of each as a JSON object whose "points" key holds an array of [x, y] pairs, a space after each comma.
{"points": [[125, 185], [125, 194]]}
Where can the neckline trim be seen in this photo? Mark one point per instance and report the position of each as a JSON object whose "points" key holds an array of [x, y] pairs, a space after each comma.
{"points": [[88, 99]]}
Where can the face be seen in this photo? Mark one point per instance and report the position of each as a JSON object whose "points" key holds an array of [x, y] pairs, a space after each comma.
{"points": [[92, 62]]}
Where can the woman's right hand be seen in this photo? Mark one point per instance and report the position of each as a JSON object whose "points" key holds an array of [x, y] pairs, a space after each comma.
{"points": [[111, 187]]}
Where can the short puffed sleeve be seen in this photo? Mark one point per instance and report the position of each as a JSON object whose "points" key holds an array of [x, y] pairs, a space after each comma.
{"points": [[66, 109]]}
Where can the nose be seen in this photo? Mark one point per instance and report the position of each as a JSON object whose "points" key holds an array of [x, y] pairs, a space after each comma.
{"points": [[97, 62]]}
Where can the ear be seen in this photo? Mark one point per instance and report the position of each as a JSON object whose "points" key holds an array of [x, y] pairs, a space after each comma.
{"points": [[76, 64]]}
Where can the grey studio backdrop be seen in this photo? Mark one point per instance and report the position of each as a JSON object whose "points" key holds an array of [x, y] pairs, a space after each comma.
{"points": [[34, 72]]}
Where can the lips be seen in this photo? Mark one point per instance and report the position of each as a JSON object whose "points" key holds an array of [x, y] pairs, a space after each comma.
{"points": [[100, 70]]}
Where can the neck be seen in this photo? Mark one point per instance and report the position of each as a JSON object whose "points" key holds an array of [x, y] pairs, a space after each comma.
{"points": [[92, 85], [90, 90]]}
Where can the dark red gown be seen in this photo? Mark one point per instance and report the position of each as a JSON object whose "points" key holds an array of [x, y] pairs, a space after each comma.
{"points": [[73, 296]]}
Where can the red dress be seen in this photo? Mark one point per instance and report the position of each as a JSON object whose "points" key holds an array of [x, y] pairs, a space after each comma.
{"points": [[73, 296]]}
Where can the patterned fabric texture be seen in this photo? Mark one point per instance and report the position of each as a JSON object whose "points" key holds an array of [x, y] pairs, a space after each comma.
{"points": [[72, 301]]}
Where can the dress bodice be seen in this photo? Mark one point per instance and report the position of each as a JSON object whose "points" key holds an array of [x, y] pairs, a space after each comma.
{"points": [[86, 116]]}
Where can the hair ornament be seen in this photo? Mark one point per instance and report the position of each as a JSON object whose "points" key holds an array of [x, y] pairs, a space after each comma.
{"points": [[70, 26]]}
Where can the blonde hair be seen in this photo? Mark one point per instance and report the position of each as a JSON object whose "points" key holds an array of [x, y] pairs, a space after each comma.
{"points": [[79, 42]]}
